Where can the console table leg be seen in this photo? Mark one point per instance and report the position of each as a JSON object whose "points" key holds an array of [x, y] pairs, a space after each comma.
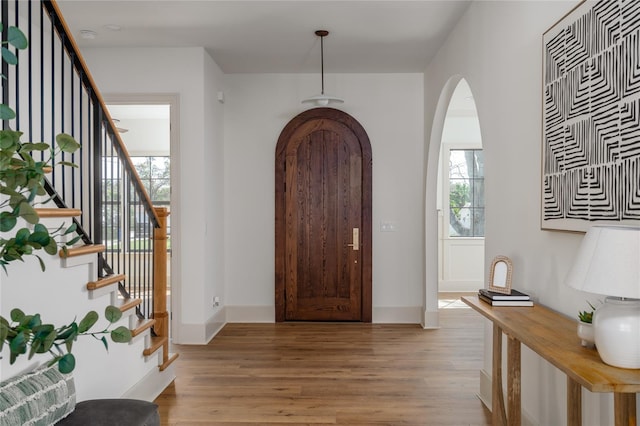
{"points": [[624, 407], [498, 413], [514, 410], [574, 403]]}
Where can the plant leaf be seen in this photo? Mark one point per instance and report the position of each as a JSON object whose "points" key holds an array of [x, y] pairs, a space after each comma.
{"points": [[39, 237], [4, 331], [51, 248], [66, 363], [18, 344], [17, 315], [121, 334], [67, 143], [41, 146], [105, 343], [6, 113], [112, 314], [7, 221], [8, 56], [68, 164], [88, 321], [48, 341], [16, 38], [42, 266], [28, 213]]}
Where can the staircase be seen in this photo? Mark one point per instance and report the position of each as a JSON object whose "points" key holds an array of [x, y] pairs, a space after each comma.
{"points": [[100, 292], [123, 235], [110, 285]]}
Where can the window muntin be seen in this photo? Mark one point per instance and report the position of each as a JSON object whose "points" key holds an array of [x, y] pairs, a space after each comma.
{"points": [[466, 193]]}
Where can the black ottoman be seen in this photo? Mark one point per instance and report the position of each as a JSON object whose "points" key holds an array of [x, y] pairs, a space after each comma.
{"points": [[113, 412]]}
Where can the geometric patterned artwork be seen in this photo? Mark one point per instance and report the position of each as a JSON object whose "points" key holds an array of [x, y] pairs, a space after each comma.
{"points": [[591, 117]]}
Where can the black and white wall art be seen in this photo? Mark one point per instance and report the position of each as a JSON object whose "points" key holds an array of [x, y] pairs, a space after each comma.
{"points": [[591, 117]]}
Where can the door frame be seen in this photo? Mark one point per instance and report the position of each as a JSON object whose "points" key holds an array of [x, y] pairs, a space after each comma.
{"points": [[173, 100], [280, 205]]}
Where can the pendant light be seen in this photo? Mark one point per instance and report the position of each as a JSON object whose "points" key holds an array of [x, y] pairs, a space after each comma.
{"points": [[322, 100]]}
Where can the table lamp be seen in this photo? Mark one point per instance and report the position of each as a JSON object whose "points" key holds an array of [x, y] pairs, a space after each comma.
{"points": [[608, 263]]}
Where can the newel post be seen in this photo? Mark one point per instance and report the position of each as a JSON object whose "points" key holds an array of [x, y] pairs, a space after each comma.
{"points": [[160, 313]]}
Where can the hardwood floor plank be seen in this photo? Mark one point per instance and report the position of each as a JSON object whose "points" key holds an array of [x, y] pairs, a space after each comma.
{"points": [[331, 374]]}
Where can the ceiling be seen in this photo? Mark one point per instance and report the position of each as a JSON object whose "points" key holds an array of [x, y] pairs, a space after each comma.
{"points": [[276, 36]]}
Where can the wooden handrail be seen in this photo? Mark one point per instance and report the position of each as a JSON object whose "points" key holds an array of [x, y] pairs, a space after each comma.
{"points": [[80, 63]]}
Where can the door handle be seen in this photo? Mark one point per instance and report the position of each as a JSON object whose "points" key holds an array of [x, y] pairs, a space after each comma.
{"points": [[355, 239]]}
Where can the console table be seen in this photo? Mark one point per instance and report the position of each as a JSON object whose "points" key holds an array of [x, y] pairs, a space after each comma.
{"points": [[553, 337]]}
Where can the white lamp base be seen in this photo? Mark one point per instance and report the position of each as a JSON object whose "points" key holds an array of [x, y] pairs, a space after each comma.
{"points": [[617, 332]]}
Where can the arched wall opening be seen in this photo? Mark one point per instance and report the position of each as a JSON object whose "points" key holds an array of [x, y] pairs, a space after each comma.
{"points": [[454, 210]]}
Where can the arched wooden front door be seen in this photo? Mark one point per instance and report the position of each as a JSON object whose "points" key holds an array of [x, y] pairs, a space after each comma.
{"points": [[323, 219]]}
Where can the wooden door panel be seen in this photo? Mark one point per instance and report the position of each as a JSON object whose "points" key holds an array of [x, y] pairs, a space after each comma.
{"points": [[324, 172]]}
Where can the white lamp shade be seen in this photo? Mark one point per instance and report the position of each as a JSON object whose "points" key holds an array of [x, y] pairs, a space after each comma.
{"points": [[322, 100], [608, 262]]}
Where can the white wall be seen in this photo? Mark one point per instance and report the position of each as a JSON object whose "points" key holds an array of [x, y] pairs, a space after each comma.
{"points": [[196, 224], [60, 295], [497, 48], [227, 235], [257, 107]]}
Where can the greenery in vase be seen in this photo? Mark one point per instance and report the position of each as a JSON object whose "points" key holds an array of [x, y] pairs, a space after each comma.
{"points": [[21, 181], [587, 316]]}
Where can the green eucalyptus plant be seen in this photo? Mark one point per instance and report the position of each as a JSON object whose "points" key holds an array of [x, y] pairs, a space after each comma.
{"points": [[21, 182], [22, 178], [27, 333]]}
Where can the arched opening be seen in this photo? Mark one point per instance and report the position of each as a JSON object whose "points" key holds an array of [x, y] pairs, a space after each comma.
{"points": [[460, 199], [454, 219]]}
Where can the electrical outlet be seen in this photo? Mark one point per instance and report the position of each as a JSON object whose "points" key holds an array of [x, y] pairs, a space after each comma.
{"points": [[216, 301]]}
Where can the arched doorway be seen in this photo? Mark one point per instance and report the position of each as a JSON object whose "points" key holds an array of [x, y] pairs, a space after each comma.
{"points": [[323, 219], [435, 217], [461, 196]]}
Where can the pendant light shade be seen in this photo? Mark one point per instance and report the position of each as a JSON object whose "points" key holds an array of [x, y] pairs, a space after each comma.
{"points": [[322, 99]]}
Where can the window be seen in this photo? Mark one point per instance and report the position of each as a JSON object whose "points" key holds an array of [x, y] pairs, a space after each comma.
{"points": [[466, 193], [154, 173]]}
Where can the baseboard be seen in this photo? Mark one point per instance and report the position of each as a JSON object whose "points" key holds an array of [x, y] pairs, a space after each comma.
{"points": [[250, 314], [397, 315], [485, 389], [152, 385], [460, 286], [431, 320], [215, 324], [201, 334]]}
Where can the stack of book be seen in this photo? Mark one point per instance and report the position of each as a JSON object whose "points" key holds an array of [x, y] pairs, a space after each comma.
{"points": [[516, 298]]}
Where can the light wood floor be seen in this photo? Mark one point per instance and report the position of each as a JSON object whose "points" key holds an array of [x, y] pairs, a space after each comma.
{"points": [[326, 373]]}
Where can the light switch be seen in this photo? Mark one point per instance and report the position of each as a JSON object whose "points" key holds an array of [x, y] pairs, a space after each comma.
{"points": [[388, 226]]}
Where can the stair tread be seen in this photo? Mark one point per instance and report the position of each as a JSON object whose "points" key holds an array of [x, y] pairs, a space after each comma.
{"points": [[57, 212], [141, 326], [172, 357], [105, 281], [81, 250], [126, 304], [156, 343]]}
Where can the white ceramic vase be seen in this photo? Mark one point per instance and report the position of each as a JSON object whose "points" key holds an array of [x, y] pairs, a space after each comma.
{"points": [[586, 334], [617, 332]]}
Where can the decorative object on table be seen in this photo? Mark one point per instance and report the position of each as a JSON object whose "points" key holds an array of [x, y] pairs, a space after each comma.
{"points": [[585, 327], [608, 263], [516, 298], [591, 99], [322, 99], [500, 275]]}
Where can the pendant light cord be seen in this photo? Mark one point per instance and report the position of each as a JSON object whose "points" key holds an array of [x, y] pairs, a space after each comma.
{"points": [[322, 61]]}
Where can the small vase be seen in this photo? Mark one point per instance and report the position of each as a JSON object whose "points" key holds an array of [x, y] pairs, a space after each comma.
{"points": [[586, 334]]}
